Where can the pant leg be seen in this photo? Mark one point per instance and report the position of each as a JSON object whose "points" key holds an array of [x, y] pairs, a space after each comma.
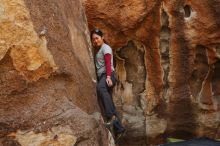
{"points": [[117, 123], [105, 94], [114, 80]]}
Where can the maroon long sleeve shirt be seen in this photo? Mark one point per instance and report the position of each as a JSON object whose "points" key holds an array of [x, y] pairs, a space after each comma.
{"points": [[107, 58]]}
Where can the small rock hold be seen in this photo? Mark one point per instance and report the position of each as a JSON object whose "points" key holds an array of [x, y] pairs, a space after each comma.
{"points": [[43, 31]]}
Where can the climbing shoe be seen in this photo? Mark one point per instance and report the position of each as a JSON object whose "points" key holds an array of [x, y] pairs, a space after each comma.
{"points": [[119, 135]]}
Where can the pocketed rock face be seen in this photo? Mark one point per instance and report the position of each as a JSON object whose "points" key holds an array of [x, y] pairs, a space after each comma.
{"points": [[47, 90], [174, 90]]}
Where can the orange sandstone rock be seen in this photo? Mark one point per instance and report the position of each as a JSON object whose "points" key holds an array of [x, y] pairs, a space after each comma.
{"points": [[47, 89], [179, 40]]}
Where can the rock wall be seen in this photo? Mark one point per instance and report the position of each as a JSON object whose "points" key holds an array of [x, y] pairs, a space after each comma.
{"points": [[167, 59], [47, 90]]}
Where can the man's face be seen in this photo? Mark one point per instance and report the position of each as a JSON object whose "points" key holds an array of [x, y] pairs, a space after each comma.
{"points": [[97, 41]]}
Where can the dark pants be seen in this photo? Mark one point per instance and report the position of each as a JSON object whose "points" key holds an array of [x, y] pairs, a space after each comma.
{"points": [[105, 93]]}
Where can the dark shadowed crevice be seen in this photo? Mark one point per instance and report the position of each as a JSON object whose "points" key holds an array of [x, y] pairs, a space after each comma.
{"points": [[187, 11], [164, 46], [200, 70], [204, 71]]}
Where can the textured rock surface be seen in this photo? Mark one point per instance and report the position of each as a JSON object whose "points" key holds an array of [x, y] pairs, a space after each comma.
{"points": [[167, 59], [47, 93]]}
